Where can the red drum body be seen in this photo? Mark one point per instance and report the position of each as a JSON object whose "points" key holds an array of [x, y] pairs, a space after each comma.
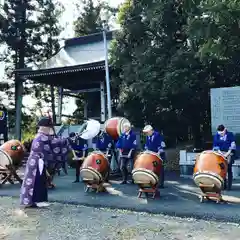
{"points": [[147, 168], [210, 168], [114, 126], [15, 150], [94, 168]]}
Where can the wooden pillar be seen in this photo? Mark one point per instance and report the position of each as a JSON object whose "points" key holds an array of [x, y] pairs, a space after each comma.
{"points": [[18, 104], [85, 111], [60, 97], [103, 104]]}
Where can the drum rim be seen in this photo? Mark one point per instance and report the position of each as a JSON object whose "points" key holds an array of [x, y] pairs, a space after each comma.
{"points": [[209, 176], [145, 170], [145, 173], [209, 173], [152, 153], [8, 157], [92, 170], [119, 127], [99, 153], [214, 152]]}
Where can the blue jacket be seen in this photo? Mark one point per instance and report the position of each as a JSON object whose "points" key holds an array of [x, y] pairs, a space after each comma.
{"points": [[79, 144], [155, 142], [104, 142], [127, 141], [223, 143]]}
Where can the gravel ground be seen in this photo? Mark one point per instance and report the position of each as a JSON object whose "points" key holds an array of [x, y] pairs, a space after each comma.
{"points": [[69, 222]]}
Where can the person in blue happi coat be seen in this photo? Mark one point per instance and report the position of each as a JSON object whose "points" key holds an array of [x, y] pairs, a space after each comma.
{"points": [[80, 147], [105, 144], [155, 143], [224, 141], [127, 144]]}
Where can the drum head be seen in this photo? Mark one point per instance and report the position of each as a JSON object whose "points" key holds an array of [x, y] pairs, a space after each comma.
{"points": [[121, 124], [207, 179], [152, 153], [5, 159], [144, 176], [90, 175]]}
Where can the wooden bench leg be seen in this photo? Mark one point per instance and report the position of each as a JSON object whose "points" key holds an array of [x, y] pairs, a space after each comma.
{"points": [[7, 179], [17, 177]]}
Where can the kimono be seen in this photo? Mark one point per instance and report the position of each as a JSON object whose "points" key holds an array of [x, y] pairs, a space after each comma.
{"points": [[61, 148], [34, 186]]}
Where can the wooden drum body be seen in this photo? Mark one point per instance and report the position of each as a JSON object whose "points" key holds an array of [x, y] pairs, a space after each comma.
{"points": [[15, 150], [147, 168], [94, 168], [114, 126], [210, 169]]}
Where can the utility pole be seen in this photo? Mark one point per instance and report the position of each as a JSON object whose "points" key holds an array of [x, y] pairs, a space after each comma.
{"points": [[109, 107], [20, 63]]}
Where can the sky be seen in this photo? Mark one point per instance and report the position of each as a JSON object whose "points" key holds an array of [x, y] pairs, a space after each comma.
{"points": [[67, 19]]}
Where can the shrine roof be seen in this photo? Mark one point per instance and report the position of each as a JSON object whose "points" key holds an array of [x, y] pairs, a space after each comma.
{"points": [[79, 64]]}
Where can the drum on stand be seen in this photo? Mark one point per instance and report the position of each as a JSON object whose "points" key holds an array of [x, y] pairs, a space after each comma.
{"points": [[147, 168], [210, 172], [15, 150], [95, 168], [11, 156], [114, 126], [146, 172]]}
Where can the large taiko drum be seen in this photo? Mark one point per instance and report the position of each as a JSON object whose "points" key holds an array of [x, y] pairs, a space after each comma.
{"points": [[15, 150], [210, 168], [114, 126], [147, 168], [95, 168]]}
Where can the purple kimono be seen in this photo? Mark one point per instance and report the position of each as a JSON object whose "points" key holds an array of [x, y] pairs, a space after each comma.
{"points": [[61, 148], [34, 186]]}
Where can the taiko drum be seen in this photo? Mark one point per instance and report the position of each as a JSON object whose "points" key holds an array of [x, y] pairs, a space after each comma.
{"points": [[210, 168], [147, 168], [95, 167], [15, 150], [114, 126]]}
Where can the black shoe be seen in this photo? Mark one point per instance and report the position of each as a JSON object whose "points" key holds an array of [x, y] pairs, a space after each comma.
{"points": [[124, 182], [76, 181], [132, 182]]}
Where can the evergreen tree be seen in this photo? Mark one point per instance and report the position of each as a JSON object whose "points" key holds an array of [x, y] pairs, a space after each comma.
{"points": [[30, 32]]}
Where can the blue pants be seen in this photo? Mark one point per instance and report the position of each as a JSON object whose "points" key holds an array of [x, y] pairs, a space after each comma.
{"points": [[124, 161]]}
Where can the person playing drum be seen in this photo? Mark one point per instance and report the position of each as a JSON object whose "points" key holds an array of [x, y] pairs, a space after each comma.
{"points": [[80, 147], [224, 141], [127, 145], [104, 144], [155, 143]]}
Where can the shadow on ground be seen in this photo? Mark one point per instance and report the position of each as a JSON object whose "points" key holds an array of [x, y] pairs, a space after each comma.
{"points": [[178, 198]]}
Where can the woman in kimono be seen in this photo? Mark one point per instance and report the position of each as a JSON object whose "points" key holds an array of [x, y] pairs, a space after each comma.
{"points": [[34, 190]]}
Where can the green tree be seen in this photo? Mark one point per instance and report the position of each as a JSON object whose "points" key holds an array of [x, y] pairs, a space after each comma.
{"points": [[157, 70], [30, 32]]}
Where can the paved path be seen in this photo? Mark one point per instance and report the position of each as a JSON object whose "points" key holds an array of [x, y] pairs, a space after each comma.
{"points": [[179, 198], [69, 222]]}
